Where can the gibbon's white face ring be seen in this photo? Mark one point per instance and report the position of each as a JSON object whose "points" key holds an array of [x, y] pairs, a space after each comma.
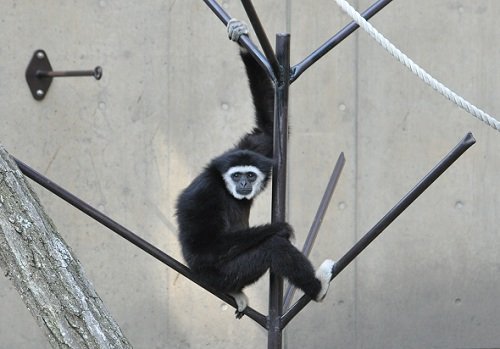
{"points": [[256, 186]]}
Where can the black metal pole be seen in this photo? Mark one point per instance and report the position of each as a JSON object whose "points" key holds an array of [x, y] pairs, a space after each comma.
{"points": [[275, 338], [301, 67], [406, 201], [325, 202], [218, 10], [130, 236], [261, 34], [318, 219]]}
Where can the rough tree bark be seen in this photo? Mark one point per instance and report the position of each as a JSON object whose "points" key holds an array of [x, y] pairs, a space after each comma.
{"points": [[43, 269]]}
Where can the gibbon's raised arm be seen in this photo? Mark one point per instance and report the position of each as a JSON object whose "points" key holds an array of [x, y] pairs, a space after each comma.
{"points": [[260, 139], [261, 85], [262, 91]]}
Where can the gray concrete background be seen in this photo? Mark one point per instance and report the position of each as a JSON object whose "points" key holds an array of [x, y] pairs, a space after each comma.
{"points": [[174, 94]]}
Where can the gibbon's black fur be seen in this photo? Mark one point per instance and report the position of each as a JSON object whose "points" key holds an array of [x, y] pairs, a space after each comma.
{"points": [[217, 242]]}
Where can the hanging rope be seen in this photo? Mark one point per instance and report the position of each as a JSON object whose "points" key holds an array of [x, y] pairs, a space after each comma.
{"points": [[421, 73]]}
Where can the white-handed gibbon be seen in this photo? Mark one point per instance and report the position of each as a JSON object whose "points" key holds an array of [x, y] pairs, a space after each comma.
{"points": [[212, 212]]}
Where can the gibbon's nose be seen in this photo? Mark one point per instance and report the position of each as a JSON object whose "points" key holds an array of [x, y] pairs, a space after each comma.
{"points": [[244, 188]]}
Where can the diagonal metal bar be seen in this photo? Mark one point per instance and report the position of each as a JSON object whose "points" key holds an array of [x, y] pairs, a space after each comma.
{"points": [[261, 34], [245, 41], [406, 201], [131, 237], [301, 67], [318, 219]]}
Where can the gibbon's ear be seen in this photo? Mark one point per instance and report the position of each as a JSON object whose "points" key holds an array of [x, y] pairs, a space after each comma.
{"points": [[238, 157]]}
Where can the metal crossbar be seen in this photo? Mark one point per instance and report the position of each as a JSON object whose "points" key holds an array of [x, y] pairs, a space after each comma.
{"points": [[130, 236], [281, 320]]}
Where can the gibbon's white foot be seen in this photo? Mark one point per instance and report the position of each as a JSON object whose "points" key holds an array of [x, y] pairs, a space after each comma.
{"points": [[324, 274], [241, 302], [236, 28]]}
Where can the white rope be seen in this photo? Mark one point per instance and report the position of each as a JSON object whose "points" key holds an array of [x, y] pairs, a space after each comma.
{"points": [[421, 73]]}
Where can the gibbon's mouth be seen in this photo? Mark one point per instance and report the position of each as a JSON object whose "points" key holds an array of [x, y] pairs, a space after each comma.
{"points": [[244, 191]]}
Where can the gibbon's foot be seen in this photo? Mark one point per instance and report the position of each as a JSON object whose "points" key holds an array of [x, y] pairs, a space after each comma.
{"points": [[236, 28], [241, 302], [324, 274]]}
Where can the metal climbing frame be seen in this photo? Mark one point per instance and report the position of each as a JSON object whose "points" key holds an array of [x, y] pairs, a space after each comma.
{"points": [[279, 70]]}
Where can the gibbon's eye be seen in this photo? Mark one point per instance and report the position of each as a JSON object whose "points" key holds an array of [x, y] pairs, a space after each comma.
{"points": [[251, 176], [236, 175]]}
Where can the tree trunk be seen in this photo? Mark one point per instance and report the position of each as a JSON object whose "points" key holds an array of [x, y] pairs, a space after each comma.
{"points": [[49, 278]]}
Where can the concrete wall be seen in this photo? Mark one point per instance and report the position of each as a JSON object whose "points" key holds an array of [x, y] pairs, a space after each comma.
{"points": [[174, 95]]}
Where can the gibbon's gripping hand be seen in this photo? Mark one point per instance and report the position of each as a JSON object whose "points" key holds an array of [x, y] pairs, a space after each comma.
{"points": [[236, 28], [284, 230]]}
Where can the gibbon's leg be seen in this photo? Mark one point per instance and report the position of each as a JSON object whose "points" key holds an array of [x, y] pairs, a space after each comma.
{"points": [[243, 270], [290, 263], [233, 244], [285, 260]]}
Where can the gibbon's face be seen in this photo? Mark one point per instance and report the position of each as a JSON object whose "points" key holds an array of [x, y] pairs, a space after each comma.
{"points": [[244, 182]]}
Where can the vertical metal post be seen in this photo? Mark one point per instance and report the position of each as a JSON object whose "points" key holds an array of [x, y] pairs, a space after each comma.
{"points": [[275, 340]]}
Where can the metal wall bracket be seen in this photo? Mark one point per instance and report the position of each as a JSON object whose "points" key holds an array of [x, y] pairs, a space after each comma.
{"points": [[39, 74]]}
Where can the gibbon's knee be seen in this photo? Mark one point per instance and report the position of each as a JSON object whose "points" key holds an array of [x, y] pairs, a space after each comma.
{"points": [[290, 263]]}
